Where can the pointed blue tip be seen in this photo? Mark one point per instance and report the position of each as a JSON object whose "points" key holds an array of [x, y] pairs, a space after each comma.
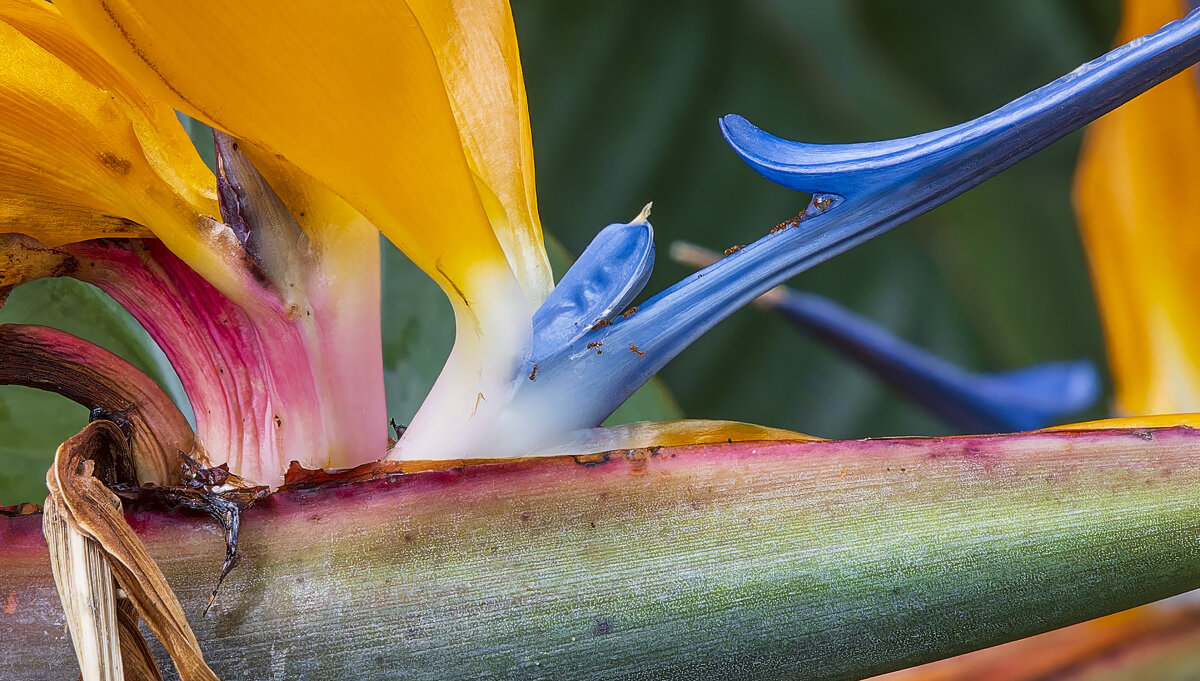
{"points": [[954, 159], [1038, 396], [1025, 399], [810, 168]]}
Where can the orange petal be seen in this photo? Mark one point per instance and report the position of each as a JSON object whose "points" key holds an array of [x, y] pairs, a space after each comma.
{"points": [[1137, 195]]}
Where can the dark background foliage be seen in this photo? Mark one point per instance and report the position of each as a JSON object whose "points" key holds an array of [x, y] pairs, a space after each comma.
{"points": [[624, 98]]}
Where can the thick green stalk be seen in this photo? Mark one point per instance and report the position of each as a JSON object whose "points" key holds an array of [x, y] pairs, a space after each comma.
{"points": [[826, 560]]}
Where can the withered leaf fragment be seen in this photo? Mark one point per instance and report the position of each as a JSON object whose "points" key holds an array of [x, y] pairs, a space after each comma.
{"points": [[82, 503], [24, 258], [87, 590], [49, 359], [137, 660]]}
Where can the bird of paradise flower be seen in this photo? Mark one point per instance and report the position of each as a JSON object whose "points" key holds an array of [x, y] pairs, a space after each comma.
{"points": [[266, 258]]}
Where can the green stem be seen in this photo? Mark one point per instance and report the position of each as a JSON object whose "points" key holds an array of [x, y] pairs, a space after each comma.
{"points": [[825, 560]]}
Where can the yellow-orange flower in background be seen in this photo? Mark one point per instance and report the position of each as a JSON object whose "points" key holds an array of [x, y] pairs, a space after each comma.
{"points": [[1137, 195]]}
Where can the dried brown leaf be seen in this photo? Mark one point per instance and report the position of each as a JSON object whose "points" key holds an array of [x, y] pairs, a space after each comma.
{"points": [[137, 660], [49, 359], [87, 505], [87, 589]]}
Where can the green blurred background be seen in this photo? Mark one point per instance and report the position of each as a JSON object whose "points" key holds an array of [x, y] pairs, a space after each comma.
{"points": [[624, 98]]}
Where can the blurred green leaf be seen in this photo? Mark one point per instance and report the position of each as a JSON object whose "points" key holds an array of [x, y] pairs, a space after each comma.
{"points": [[418, 330], [34, 423], [652, 402], [201, 135]]}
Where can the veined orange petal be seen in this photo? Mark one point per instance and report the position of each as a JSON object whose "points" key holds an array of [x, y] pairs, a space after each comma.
{"points": [[167, 146], [84, 154], [65, 174], [1137, 194], [350, 93], [475, 45], [24, 258]]}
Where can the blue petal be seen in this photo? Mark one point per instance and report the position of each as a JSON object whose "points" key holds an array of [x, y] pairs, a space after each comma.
{"points": [[969, 153], [840, 169], [1025, 399], [860, 191], [603, 281]]}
